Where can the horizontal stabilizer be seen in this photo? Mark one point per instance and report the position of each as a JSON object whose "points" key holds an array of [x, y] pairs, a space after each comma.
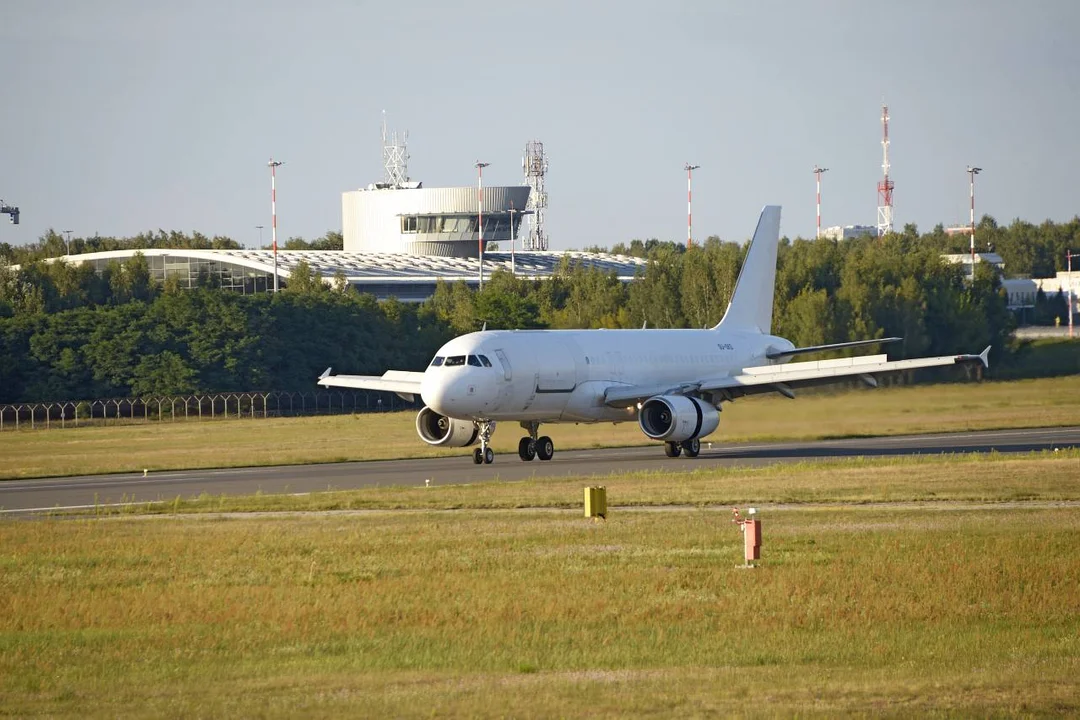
{"points": [[774, 354]]}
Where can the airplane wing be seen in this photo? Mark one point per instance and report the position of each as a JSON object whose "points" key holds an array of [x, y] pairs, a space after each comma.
{"points": [[406, 384], [783, 378]]}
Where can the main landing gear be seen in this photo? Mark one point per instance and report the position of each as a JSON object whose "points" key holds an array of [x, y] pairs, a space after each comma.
{"points": [[484, 454], [690, 447], [528, 447], [532, 447]]}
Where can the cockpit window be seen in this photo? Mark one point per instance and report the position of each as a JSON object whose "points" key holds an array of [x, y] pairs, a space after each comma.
{"points": [[454, 360], [484, 360], [474, 361], [437, 361]]}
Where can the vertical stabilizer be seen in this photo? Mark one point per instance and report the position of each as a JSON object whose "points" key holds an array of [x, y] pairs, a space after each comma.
{"points": [[752, 302]]}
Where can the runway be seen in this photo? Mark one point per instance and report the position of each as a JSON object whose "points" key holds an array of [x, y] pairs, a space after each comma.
{"points": [[39, 495]]}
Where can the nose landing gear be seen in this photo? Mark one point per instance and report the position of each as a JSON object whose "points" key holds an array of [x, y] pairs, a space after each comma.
{"points": [[484, 455]]}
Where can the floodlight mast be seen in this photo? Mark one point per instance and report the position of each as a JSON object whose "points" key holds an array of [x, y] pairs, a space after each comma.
{"points": [[1068, 260], [689, 205], [480, 214], [817, 172], [513, 237], [274, 165], [972, 172]]}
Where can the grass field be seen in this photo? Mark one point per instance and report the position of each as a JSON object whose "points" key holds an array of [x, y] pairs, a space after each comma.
{"points": [[964, 602], [228, 443]]}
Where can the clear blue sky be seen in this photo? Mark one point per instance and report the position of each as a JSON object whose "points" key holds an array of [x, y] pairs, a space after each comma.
{"points": [[127, 115]]}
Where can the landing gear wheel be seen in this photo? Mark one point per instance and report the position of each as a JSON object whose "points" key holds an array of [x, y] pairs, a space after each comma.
{"points": [[489, 456], [545, 448], [526, 449], [672, 449], [478, 456], [691, 447]]}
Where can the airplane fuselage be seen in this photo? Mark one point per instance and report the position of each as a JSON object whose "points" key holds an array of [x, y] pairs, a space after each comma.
{"points": [[561, 376]]}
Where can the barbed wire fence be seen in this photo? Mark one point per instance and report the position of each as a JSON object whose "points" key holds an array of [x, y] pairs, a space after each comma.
{"points": [[211, 406]]}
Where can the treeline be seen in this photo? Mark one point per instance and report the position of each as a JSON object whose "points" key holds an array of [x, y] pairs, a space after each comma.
{"points": [[66, 332], [1026, 249], [203, 340], [54, 244]]}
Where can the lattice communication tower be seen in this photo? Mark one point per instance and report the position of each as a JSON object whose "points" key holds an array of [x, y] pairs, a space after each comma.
{"points": [[885, 187], [395, 156], [535, 165]]}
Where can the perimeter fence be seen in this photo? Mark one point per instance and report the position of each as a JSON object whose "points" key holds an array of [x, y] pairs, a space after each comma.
{"points": [[211, 406]]}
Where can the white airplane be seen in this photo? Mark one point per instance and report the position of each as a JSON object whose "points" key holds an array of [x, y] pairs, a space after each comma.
{"points": [[672, 382]]}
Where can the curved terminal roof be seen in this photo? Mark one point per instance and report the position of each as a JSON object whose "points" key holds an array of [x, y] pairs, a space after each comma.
{"points": [[407, 277]]}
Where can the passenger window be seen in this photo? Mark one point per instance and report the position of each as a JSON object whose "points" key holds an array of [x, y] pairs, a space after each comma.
{"points": [[484, 360], [474, 361], [437, 361], [455, 360]]}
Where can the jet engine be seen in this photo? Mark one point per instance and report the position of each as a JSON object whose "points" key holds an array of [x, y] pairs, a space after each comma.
{"points": [[436, 429], [676, 418]]}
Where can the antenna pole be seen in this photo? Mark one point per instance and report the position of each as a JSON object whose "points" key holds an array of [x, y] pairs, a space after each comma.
{"points": [[885, 187]]}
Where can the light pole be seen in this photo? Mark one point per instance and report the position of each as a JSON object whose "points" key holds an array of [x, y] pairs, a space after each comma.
{"points": [[274, 165], [260, 229], [1069, 302], [973, 171], [689, 215], [513, 269], [817, 172], [67, 245], [480, 214]]}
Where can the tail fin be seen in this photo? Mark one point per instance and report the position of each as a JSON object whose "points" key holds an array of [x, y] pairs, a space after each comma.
{"points": [[752, 302]]}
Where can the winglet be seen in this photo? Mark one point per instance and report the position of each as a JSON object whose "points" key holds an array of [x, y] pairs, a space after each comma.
{"points": [[983, 357], [326, 373]]}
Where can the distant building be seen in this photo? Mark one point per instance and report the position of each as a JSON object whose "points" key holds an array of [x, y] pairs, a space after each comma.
{"points": [[1062, 282], [410, 219], [848, 232], [987, 257]]}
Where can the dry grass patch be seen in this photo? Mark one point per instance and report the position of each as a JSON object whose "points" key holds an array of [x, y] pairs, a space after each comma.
{"points": [[247, 442]]}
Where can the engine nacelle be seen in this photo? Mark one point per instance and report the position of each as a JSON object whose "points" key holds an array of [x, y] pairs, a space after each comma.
{"points": [[436, 429], [675, 418]]}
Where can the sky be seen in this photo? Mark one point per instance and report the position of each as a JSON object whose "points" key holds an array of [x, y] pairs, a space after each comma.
{"points": [[120, 116]]}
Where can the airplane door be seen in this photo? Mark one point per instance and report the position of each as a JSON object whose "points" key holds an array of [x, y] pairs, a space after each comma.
{"points": [[507, 373]]}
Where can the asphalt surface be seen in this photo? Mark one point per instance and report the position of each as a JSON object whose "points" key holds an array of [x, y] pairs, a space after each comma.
{"points": [[28, 496]]}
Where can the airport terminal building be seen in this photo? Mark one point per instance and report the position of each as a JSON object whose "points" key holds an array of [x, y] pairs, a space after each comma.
{"points": [[409, 278], [399, 239]]}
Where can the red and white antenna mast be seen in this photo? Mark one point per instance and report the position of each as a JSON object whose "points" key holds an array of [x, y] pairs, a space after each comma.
{"points": [[885, 187], [817, 171]]}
